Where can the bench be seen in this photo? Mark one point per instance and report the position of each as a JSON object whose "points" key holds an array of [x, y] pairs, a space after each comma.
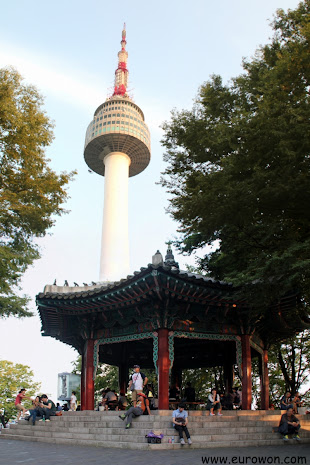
{"points": [[194, 405]]}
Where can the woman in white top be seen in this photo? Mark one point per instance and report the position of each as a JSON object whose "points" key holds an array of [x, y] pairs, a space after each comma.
{"points": [[214, 403], [73, 402]]}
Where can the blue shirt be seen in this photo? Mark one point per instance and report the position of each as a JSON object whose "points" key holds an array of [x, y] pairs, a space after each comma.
{"points": [[178, 414]]}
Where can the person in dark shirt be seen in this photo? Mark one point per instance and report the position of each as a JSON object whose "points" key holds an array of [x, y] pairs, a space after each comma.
{"points": [[65, 408], [289, 424], [48, 406], [174, 392], [286, 401], [189, 393]]}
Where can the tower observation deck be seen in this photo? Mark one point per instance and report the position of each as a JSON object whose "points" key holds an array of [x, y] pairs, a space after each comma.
{"points": [[117, 146]]}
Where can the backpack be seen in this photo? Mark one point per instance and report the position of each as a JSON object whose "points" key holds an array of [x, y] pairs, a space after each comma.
{"points": [[145, 404]]}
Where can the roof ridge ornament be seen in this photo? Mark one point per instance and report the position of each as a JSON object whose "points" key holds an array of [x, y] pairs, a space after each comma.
{"points": [[169, 258]]}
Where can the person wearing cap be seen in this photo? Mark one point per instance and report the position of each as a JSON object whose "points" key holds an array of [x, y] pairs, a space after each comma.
{"points": [[180, 420], [136, 383], [142, 404]]}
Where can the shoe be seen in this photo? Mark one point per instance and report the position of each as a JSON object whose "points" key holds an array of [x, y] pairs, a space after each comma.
{"points": [[219, 414], [297, 437], [41, 419], [34, 423], [128, 426], [47, 420], [182, 442], [285, 438], [212, 414], [122, 417], [189, 441]]}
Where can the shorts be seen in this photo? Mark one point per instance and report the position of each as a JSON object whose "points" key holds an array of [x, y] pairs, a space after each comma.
{"points": [[135, 394], [19, 407]]}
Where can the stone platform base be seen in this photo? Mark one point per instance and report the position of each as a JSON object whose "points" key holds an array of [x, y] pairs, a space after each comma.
{"points": [[104, 429]]}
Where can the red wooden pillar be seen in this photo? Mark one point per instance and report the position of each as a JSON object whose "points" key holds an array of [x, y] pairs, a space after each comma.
{"points": [[83, 383], [264, 382], [246, 372], [163, 369], [88, 375]]}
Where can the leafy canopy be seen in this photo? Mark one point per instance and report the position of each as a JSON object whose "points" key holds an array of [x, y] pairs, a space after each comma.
{"points": [[31, 194], [13, 378], [238, 168]]}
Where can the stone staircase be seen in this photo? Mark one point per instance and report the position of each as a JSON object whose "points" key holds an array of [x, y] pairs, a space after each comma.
{"points": [[105, 429]]}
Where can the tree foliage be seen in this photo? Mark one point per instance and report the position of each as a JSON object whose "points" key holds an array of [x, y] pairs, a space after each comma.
{"points": [[289, 365], [13, 378], [31, 194], [238, 168]]}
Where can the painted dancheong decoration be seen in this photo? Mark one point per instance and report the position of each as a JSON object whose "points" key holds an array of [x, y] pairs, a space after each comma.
{"points": [[117, 146]]}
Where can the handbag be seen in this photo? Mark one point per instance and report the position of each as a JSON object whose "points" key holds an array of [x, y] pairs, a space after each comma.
{"points": [[132, 387]]}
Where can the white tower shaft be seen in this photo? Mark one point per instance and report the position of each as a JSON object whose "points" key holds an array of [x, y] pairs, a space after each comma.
{"points": [[114, 261]]}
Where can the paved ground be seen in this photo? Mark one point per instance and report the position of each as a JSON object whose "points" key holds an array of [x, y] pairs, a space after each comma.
{"points": [[22, 452]]}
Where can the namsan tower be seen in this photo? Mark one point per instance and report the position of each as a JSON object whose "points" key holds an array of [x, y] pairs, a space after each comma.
{"points": [[117, 146]]}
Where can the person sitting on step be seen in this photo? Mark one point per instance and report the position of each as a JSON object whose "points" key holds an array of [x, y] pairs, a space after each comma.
{"points": [[296, 400], [122, 401], [286, 401], [289, 424], [214, 403], [142, 404], [48, 408], [180, 421], [109, 399], [18, 403], [35, 410]]}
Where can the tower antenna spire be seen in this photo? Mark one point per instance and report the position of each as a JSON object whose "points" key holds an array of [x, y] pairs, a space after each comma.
{"points": [[121, 73]]}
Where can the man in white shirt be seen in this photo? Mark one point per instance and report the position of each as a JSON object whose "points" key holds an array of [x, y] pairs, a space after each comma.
{"points": [[136, 384]]}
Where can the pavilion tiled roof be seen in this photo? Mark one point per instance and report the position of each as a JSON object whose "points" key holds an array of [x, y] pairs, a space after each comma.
{"points": [[70, 292]]}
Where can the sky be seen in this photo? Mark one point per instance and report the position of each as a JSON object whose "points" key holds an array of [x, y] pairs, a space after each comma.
{"points": [[68, 50]]}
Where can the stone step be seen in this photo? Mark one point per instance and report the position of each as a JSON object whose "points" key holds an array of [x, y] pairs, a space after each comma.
{"points": [[136, 429], [120, 434], [105, 429], [229, 413], [144, 446]]}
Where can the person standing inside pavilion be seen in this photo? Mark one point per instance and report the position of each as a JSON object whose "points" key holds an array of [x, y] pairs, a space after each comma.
{"points": [[136, 384]]}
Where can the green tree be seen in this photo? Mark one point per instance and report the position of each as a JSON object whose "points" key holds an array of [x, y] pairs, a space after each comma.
{"points": [[238, 169], [31, 194], [289, 365], [14, 377]]}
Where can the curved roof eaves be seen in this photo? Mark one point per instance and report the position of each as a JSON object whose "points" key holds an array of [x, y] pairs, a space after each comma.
{"points": [[143, 270]]}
